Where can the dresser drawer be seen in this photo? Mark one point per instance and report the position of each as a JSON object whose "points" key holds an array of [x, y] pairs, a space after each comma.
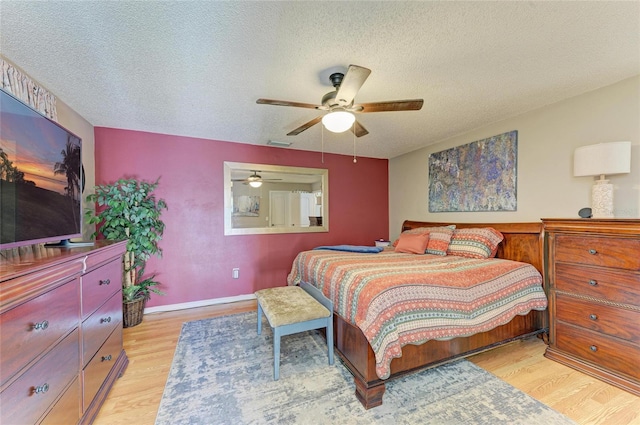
{"points": [[99, 326], [601, 350], [100, 366], [598, 251], [67, 409], [30, 328], [99, 284], [619, 322], [29, 396], [613, 285]]}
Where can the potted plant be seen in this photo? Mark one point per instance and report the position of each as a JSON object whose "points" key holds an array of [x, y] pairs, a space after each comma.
{"points": [[128, 209]]}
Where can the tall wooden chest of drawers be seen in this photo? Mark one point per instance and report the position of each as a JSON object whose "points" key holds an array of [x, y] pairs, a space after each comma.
{"points": [[592, 274], [60, 333]]}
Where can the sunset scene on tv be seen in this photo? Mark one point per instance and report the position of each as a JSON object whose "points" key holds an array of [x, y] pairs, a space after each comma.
{"points": [[40, 176]]}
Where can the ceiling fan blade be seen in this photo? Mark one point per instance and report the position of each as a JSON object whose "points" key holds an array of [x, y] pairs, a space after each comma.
{"points": [[358, 129], [395, 105], [305, 126], [351, 83], [286, 103]]}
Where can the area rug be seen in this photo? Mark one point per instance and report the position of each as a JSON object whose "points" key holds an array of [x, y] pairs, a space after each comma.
{"points": [[222, 373]]}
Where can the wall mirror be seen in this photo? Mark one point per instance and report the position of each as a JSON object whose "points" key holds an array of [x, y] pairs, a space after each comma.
{"points": [[265, 199]]}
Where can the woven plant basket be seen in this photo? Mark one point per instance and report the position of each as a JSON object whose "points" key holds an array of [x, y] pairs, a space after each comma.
{"points": [[132, 312]]}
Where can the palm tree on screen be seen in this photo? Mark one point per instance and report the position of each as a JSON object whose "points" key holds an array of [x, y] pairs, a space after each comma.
{"points": [[70, 167]]}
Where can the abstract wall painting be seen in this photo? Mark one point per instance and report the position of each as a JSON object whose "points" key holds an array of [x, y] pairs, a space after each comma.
{"points": [[479, 176]]}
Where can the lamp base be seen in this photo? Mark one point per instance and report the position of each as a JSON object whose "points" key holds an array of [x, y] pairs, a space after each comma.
{"points": [[602, 199]]}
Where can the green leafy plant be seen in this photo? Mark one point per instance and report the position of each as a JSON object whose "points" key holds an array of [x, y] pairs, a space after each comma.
{"points": [[128, 209]]}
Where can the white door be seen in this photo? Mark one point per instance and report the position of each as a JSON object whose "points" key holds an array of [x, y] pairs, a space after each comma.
{"points": [[278, 208]]}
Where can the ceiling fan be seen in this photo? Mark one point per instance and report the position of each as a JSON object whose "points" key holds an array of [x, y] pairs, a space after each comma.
{"points": [[254, 180], [340, 104]]}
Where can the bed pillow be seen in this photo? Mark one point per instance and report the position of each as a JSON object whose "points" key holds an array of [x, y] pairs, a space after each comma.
{"points": [[475, 242], [412, 243], [439, 238]]}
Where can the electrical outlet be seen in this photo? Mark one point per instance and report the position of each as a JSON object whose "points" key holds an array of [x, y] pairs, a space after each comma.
{"points": [[235, 273]]}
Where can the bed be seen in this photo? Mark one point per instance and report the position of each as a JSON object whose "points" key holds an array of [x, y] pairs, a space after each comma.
{"points": [[398, 313]]}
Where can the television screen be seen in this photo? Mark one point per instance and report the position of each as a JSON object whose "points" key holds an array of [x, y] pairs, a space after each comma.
{"points": [[40, 177]]}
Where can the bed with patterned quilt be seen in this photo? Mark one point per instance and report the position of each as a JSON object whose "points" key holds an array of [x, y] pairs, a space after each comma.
{"points": [[436, 285]]}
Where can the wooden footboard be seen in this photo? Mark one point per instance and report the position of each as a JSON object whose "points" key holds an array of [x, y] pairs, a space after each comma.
{"points": [[356, 353], [522, 242]]}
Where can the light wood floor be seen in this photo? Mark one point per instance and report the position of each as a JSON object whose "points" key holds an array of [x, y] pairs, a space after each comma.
{"points": [[150, 347]]}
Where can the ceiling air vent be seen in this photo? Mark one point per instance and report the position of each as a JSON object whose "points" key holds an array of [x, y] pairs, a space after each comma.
{"points": [[279, 144]]}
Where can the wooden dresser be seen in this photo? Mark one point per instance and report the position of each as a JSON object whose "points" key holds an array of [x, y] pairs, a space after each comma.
{"points": [[60, 333], [592, 273]]}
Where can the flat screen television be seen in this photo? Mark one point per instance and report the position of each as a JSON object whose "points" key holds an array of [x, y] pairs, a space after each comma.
{"points": [[40, 177]]}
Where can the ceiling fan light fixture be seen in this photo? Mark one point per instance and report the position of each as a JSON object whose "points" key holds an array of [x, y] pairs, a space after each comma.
{"points": [[338, 121], [254, 180]]}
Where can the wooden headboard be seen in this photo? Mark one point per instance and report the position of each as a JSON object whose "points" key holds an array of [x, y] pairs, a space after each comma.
{"points": [[522, 241]]}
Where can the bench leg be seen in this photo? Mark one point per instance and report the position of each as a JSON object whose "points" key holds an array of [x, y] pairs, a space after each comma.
{"points": [[276, 354], [259, 319], [329, 333]]}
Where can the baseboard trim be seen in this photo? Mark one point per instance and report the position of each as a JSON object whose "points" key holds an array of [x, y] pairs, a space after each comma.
{"points": [[196, 304]]}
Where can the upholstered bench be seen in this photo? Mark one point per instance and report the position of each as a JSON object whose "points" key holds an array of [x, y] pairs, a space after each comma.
{"points": [[293, 309]]}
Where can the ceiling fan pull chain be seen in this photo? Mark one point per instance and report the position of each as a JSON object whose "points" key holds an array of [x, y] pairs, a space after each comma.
{"points": [[354, 143], [322, 138]]}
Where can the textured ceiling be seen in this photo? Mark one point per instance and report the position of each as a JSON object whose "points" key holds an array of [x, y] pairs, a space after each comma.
{"points": [[197, 68]]}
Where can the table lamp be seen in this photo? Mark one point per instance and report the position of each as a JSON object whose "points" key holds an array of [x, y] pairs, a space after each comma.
{"points": [[599, 160]]}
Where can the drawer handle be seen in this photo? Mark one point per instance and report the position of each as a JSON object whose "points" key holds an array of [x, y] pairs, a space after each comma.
{"points": [[40, 326], [593, 252], [106, 358], [41, 389], [104, 282], [105, 320], [593, 316], [593, 348], [593, 282]]}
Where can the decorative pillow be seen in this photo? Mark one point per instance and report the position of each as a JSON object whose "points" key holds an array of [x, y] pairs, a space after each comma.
{"points": [[412, 243], [475, 242], [439, 238]]}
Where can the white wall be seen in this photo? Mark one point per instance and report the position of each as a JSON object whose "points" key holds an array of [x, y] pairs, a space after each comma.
{"points": [[547, 138]]}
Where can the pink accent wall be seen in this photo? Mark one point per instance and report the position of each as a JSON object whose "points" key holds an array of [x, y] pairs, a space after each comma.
{"points": [[197, 257]]}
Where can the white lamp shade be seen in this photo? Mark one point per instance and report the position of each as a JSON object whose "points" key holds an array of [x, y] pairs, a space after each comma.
{"points": [[338, 121], [601, 159], [256, 183]]}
